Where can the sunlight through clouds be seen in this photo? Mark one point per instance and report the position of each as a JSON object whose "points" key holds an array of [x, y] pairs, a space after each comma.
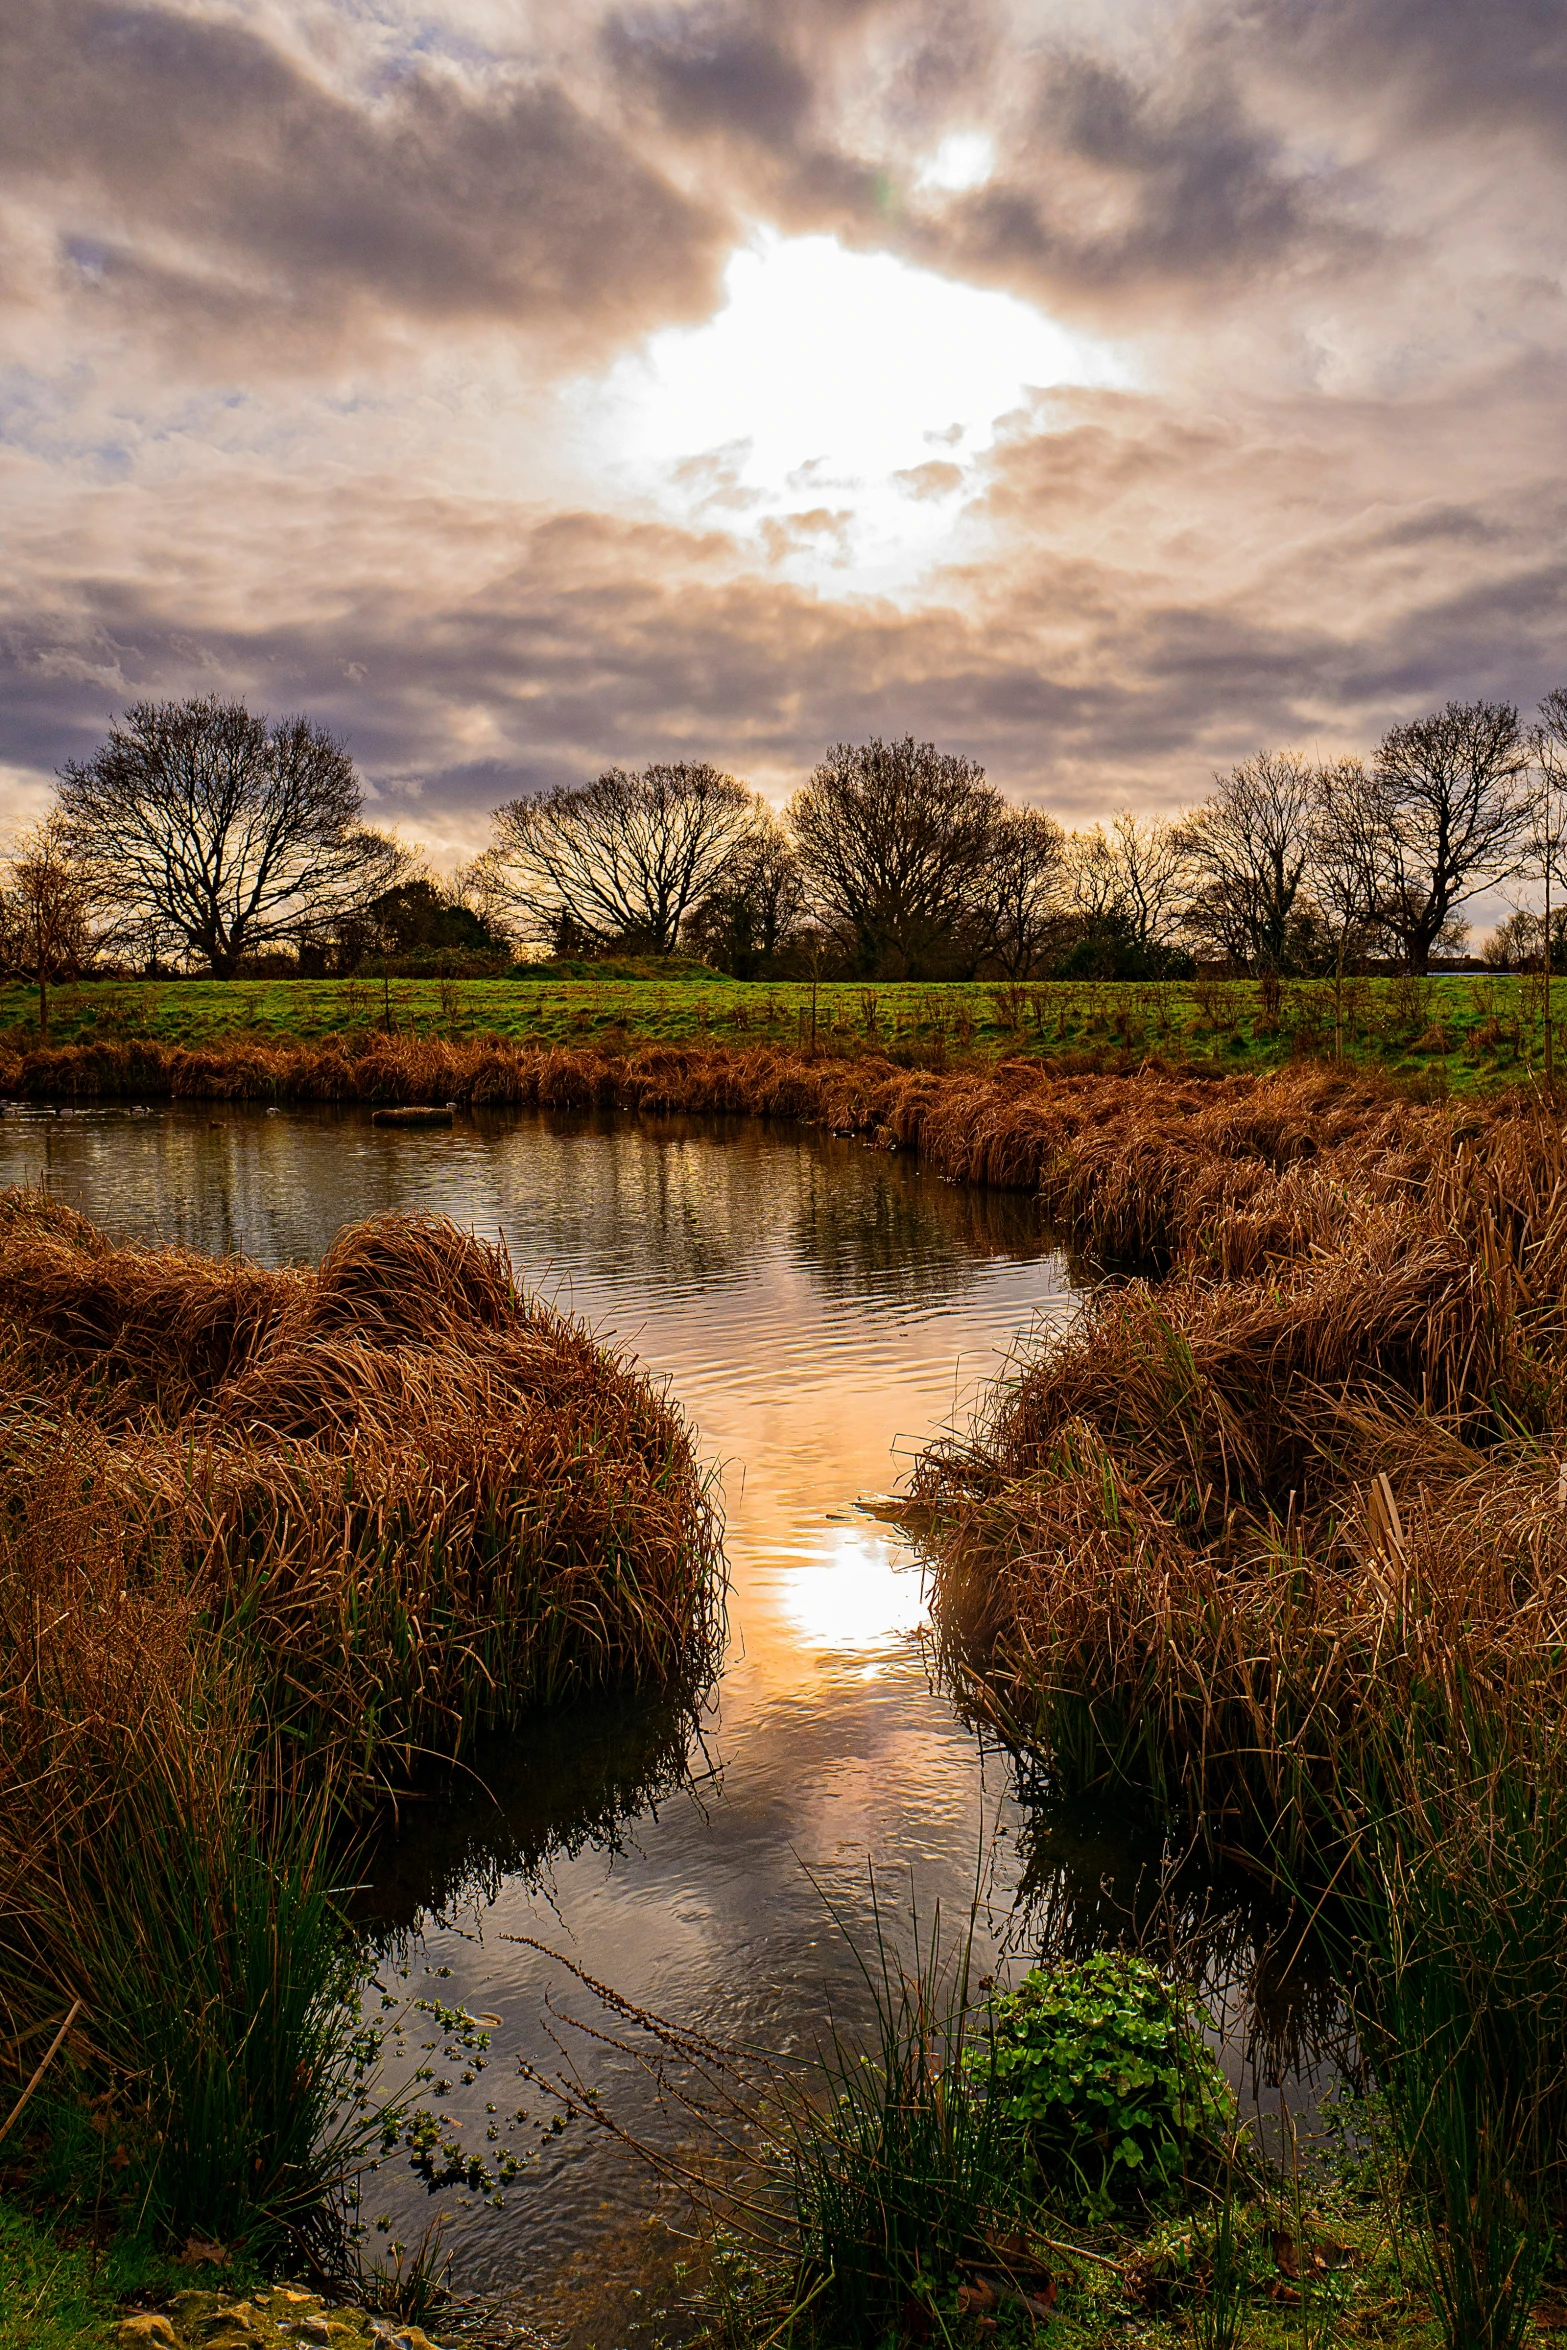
{"points": [[835, 400]]}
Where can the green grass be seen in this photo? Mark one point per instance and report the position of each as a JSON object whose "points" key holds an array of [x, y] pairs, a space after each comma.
{"points": [[61, 2290], [1476, 1032]]}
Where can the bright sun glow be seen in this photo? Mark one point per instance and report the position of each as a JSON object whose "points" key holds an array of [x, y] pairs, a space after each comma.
{"points": [[856, 1600], [835, 401]]}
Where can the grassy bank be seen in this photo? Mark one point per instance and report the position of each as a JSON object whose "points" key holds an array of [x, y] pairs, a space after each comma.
{"points": [[1474, 1033], [1278, 1538], [270, 1542], [1245, 1509]]}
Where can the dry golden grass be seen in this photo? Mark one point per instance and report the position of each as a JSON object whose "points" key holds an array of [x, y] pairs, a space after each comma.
{"points": [[1117, 1155], [420, 1498], [1234, 1523], [353, 1515], [269, 1540]]}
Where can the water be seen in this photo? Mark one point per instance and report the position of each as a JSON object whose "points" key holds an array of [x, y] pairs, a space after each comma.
{"points": [[818, 1309]]}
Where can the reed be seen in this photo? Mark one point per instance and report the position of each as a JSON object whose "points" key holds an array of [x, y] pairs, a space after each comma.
{"points": [[1229, 1521], [1281, 1537], [269, 1541], [1455, 1913], [904, 2163], [1137, 1163], [417, 1498]]}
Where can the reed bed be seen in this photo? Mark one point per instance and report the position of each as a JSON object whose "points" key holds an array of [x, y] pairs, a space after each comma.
{"points": [[1306, 1481], [418, 1498], [1123, 1161], [268, 1542], [1278, 1538]]}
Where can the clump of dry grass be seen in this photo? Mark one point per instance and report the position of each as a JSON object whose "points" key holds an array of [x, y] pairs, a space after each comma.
{"points": [[1233, 1524], [418, 1497], [267, 1541]]}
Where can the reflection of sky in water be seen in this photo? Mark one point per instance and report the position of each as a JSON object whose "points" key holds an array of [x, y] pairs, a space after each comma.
{"points": [[818, 1308]]}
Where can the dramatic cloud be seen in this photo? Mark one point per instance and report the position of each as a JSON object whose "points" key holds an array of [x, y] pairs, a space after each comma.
{"points": [[520, 391]]}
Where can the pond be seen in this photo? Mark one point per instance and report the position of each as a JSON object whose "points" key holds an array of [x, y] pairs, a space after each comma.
{"points": [[819, 1309]]}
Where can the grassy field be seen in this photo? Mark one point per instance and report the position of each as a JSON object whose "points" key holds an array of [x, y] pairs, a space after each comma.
{"points": [[1470, 1032]]}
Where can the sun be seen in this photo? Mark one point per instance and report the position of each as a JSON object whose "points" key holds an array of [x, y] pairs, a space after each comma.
{"points": [[843, 395]]}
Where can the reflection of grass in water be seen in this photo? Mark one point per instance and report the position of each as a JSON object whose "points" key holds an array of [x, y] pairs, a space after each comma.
{"points": [[1100, 1875], [561, 1783]]}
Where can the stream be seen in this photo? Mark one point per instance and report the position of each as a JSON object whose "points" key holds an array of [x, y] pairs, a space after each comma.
{"points": [[818, 1309]]}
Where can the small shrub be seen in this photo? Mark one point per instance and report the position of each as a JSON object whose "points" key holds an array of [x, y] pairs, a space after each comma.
{"points": [[1101, 2068]]}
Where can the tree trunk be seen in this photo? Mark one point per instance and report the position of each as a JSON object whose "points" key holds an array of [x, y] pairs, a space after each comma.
{"points": [[43, 1006]]}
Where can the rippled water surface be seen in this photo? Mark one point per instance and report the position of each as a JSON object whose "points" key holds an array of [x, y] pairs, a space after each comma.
{"points": [[818, 1309]]}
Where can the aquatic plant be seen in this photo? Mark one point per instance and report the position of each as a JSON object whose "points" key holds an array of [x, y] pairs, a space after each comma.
{"points": [[1453, 1914], [903, 2165]]}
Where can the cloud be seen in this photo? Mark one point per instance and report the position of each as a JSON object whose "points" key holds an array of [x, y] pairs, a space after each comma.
{"points": [[934, 479], [197, 174], [312, 304], [707, 71]]}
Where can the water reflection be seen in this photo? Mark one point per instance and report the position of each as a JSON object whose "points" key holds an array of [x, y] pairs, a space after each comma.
{"points": [[569, 1782], [1096, 1875], [818, 1309]]}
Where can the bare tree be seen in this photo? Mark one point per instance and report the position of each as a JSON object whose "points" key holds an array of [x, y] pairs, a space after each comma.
{"points": [[1452, 809], [1548, 744], [895, 840], [1245, 850], [1132, 874], [222, 832], [621, 859], [754, 914], [1018, 897], [49, 903], [1091, 880], [1345, 855]]}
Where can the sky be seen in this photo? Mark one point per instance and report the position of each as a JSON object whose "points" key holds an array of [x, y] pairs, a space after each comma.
{"points": [[1102, 391]]}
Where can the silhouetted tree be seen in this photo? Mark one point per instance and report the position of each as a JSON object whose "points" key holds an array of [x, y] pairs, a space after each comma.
{"points": [[420, 915], [1131, 876], [1344, 857], [749, 923], [221, 832], [620, 860], [896, 841], [1018, 892], [1245, 850], [1449, 807]]}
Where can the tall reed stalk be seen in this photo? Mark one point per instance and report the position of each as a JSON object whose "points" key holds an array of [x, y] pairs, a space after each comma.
{"points": [[905, 2162], [1455, 1907]]}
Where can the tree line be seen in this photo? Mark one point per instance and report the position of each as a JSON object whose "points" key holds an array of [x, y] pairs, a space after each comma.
{"points": [[202, 837]]}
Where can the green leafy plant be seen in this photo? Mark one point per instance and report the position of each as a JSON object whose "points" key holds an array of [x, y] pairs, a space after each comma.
{"points": [[1101, 2068]]}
